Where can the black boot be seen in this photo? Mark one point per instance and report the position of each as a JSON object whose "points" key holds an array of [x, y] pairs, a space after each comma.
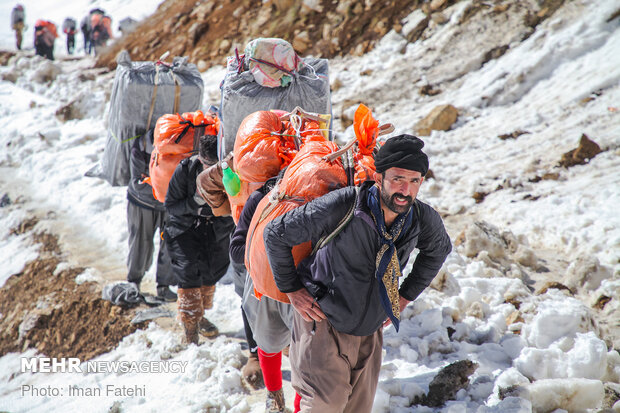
{"points": [[166, 293]]}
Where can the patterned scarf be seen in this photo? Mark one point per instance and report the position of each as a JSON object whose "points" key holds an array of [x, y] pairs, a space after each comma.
{"points": [[387, 264]]}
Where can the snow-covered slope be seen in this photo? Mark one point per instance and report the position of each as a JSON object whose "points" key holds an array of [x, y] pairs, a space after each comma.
{"points": [[486, 305]]}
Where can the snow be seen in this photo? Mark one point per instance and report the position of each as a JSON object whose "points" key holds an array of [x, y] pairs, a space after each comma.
{"points": [[558, 354]]}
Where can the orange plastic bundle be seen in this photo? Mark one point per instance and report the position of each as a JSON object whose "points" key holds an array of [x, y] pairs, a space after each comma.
{"points": [[51, 27], [264, 145], [309, 176], [257, 147], [173, 142], [171, 131], [366, 131]]}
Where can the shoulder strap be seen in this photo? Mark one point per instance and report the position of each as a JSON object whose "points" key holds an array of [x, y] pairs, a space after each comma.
{"points": [[325, 239]]}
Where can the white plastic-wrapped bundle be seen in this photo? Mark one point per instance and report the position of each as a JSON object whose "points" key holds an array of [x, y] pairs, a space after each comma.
{"points": [[242, 95], [142, 92]]}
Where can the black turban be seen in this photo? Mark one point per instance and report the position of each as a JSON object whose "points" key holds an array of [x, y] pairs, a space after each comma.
{"points": [[402, 151]]}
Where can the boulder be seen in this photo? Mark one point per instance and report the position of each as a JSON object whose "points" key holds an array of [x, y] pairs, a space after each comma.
{"points": [[586, 150], [441, 118]]}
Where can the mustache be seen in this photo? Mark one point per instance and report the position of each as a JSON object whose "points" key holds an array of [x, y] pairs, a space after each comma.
{"points": [[408, 198]]}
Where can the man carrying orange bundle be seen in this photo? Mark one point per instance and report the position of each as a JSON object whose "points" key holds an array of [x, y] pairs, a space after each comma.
{"points": [[349, 288], [197, 242]]}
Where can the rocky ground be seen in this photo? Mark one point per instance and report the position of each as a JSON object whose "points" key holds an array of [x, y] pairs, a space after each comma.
{"points": [[209, 31]]}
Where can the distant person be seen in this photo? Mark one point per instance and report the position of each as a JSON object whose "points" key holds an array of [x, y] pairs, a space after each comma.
{"points": [[18, 17], [197, 242], [44, 37], [101, 30], [269, 320], [145, 216], [85, 27], [69, 27]]}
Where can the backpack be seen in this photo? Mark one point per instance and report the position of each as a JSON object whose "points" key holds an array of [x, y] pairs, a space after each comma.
{"points": [[318, 168], [243, 94], [266, 143], [69, 26], [176, 138], [17, 15], [143, 92]]}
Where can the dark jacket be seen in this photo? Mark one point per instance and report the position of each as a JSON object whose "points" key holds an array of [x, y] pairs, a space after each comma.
{"points": [[183, 210], [238, 239], [341, 275], [138, 192]]}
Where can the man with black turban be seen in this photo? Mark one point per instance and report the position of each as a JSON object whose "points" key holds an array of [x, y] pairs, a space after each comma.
{"points": [[349, 287]]}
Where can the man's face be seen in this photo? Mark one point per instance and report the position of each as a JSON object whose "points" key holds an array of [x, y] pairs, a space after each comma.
{"points": [[399, 187]]}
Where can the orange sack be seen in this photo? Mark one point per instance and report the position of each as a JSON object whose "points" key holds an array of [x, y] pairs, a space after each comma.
{"points": [[176, 138], [265, 145], [307, 177]]}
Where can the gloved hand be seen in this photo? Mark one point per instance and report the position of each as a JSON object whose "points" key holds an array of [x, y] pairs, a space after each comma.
{"points": [[209, 185]]}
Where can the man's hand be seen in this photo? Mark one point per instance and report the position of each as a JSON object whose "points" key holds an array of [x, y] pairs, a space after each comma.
{"points": [[402, 302], [304, 304]]}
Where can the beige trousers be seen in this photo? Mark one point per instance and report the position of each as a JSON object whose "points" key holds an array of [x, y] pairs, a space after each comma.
{"points": [[333, 371]]}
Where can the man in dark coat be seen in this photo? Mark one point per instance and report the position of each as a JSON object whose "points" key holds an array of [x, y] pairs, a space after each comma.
{"points": [[145, 215], [345, 292], [197, 242]]}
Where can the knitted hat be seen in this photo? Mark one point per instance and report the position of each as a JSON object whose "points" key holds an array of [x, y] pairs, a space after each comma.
{"points": [[402, 151]]}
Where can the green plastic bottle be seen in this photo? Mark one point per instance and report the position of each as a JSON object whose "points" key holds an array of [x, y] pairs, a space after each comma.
{"points": [[231, 181]]}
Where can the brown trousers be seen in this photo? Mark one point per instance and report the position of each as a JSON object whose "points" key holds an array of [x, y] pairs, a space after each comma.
{"points": [[333, 371]]}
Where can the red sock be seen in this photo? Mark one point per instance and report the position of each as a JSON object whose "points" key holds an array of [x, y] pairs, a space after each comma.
{"points": [[297, 403], [271, 365]]}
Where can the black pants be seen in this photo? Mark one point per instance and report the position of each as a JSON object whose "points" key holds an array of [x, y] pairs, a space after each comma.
{"points": [[199, 255], [70, 43], [44, 50]]}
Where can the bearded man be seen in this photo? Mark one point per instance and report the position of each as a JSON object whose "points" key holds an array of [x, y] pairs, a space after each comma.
{"points": [[348, 289]]}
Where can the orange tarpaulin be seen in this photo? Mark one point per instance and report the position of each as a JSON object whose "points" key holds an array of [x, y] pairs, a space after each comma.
{"points": [[174, 140], [264, 145], [309, 176]]}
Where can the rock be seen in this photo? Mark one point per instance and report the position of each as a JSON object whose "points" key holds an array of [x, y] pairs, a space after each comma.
{"points": [[224, 45], [69, 111], [301, 42], [514, 317], [483, 236], [439, 18], [336, 84], [587, 273], [46, 71], [414, 25], [202, 65], [441, 118], [6, 200], [196, 31], [448, 382], [5, 56], [438, 4], [586, 150], [525, 256], [11, 76], [428, 90], [556, 285], [479, 196]]}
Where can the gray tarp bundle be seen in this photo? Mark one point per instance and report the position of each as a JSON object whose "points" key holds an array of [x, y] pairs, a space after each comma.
{"points": [[241, 96], [135, 85]]}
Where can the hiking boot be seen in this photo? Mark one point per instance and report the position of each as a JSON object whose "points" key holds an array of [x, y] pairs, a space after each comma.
{"points": [[191, 333], [275, 402], [207, 328], [252, 371], [166, 294]]}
